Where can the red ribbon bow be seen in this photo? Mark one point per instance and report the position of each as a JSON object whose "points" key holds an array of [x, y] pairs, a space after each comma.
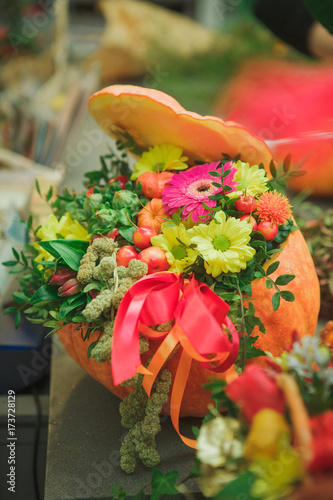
{"points": [[199, 315]]}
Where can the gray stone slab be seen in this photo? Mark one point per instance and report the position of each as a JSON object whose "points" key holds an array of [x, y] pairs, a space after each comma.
{"points": [[85, 435]]}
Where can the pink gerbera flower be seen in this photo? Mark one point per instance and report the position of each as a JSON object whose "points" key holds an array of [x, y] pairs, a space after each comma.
{"points": [[192, 188]]}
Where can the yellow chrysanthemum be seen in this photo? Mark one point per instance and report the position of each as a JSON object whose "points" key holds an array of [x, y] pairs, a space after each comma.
{"points": [[160, 158], [67, 227], [177, 255], [223, 245], [253, 179]]}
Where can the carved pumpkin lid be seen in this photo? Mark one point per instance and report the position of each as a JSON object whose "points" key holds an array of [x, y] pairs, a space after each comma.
{"points": [[151, 117]]}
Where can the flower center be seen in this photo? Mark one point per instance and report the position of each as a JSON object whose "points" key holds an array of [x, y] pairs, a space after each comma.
{"points": [[200, 189], [221, 243], [242, 184], [179, 252]]}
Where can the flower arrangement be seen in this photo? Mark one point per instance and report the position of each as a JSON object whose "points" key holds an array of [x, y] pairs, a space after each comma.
{"points": [[185, 266], [277, 437]]}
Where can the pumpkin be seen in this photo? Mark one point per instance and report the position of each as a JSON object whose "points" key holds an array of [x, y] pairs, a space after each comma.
{"points": [[300, 315], [205, 139], [153, 215], [153, 183], [295, 113]]}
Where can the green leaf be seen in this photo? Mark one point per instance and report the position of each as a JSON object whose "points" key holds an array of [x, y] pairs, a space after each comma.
{"points": [[284, 279], [269, 284], [214, 173], [49, 193], [10, 263], [9, 310], [176, 218], [251, 351], [258, 243], [79, 319], [52, 324], [127, 233], [37, 187], [163, 485], [36, 321], [24, 259], [90, 348], [17, 319], [216, 197], [30, 310], [45, 293], [272, 168], [68, 306], [272, 268], [322, 11], [239, 488], [276, 301], [287, 295], [297, 173], [94, 285], [68, 250], [286, 163], [16, 255], [20, 298]]}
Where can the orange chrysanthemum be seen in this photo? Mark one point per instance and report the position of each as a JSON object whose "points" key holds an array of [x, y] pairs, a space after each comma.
{"points": [[274, 207]]}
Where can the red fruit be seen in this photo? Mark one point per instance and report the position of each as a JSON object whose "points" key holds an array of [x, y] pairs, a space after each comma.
{"points": [[250, 220], [122, 179], [125, 254], [246, 204], [155, 259], [113, 234], [141, 237], [268, 229]]}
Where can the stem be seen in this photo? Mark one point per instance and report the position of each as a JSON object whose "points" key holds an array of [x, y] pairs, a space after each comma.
{"points": [[242, 323], [129, 220]]}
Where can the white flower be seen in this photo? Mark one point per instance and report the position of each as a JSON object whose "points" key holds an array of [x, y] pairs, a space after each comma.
{"points": [[217, 442]]}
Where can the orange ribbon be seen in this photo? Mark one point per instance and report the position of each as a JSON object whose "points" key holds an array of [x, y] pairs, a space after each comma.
{"points": [[196, 309]]}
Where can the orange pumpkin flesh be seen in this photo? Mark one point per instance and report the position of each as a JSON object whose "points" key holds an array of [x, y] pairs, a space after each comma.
{"points": [[153, 215], [152, 117]]}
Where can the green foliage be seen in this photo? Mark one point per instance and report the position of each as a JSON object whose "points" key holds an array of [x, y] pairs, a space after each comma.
{"points": [[220, 397], [240, 487], [70, 252], [163, 484], [322, 11], [281, 173]]}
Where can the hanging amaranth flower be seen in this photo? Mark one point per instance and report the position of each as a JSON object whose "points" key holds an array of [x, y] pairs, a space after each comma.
{"points": [[192, 188]]}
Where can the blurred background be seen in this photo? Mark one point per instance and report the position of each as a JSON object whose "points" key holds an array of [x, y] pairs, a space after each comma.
{"points": [[266, 64]]}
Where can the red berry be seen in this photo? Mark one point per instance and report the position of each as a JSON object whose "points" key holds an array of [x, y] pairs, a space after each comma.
{"points": [[251, 220], [155, 259], [141, 237], [122, 179], [268, 229], [125, 254], [246, 204]]}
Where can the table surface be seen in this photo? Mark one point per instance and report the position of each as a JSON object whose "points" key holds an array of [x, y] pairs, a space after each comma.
{"points": [[85, 436]]}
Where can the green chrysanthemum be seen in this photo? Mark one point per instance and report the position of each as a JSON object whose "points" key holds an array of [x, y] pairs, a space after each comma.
{"points": [[178, 256], [223, 245], [160, 158], [252, 178]]}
